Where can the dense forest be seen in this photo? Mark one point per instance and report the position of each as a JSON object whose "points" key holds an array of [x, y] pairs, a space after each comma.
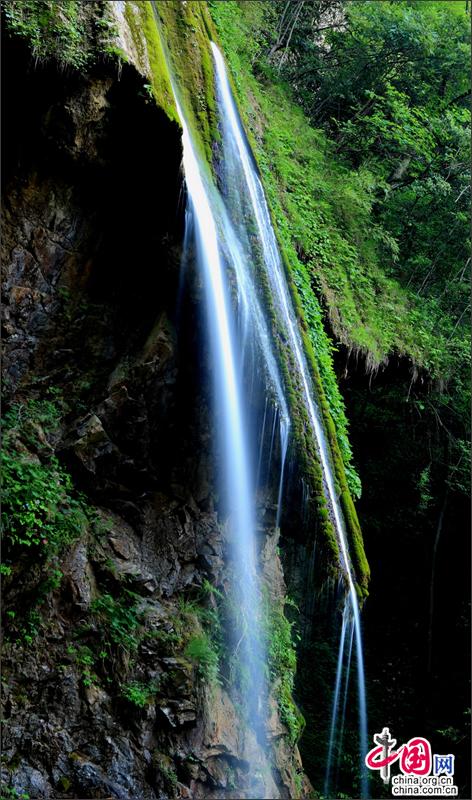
{"points": [[236, 382]]}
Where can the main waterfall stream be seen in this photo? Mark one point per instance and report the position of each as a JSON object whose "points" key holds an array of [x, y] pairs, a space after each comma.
{"points": [[240, 340], [239, 164]]}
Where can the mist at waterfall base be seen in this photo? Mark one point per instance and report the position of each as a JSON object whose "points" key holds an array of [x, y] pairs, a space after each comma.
{"points": [[246, 378]]}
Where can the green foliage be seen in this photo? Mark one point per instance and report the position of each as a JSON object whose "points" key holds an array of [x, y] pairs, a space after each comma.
{"points": [[30, 626], [73, 33], [201, 650], [393, 94], [424, 488], [201, 632], [211, 591], [298, 781], [41, 511], [282, 659], [416, 137], [121, 624], [167, 769], [112, 636], [120, 619], [26, 621], [139, 694], [411, 125], [85, 659], [9, 793], [25, 418]]}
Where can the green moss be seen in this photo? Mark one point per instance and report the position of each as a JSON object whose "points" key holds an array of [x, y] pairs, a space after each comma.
{"points": [[147, 42], [184, 30]]}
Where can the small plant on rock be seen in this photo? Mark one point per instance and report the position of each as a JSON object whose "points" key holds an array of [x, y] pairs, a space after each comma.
{"points": [[139, 694], [201, 650]]}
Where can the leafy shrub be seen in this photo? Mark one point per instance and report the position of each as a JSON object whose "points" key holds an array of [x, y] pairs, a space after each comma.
{"points": [[40, 510], [120, 619], [73, 33], [138, 693], [39, 507], [85, 658], [283, 663], [9, 793], [201, 650]]}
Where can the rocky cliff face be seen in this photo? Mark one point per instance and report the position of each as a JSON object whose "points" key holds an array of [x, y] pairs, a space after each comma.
{"points": [[110, 648]]}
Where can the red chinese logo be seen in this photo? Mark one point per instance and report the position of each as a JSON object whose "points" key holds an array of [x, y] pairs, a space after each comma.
{"points": [[415, 756]]}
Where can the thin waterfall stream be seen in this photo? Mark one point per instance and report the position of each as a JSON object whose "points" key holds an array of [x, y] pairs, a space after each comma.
{"points": [[236, 153], [213, 236], [219, 231], [337, 695], [347, 675]]}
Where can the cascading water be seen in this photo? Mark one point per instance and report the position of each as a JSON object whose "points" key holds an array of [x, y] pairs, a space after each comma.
{"points": [[347, 674], [338, 713], [337, 691], [220, 232], [237, 466], [237, 158], [253, 323], [208, 224]]}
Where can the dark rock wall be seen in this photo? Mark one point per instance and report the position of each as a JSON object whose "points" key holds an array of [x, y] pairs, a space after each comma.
{"points": [[417, 654], [90, 216]]}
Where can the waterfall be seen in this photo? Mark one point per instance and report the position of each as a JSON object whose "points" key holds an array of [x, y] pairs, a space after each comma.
{"points": [[233, 334], [237, 484], [347, 673], [238, 157], [337, 690], [231, 234], [338, 713]]}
